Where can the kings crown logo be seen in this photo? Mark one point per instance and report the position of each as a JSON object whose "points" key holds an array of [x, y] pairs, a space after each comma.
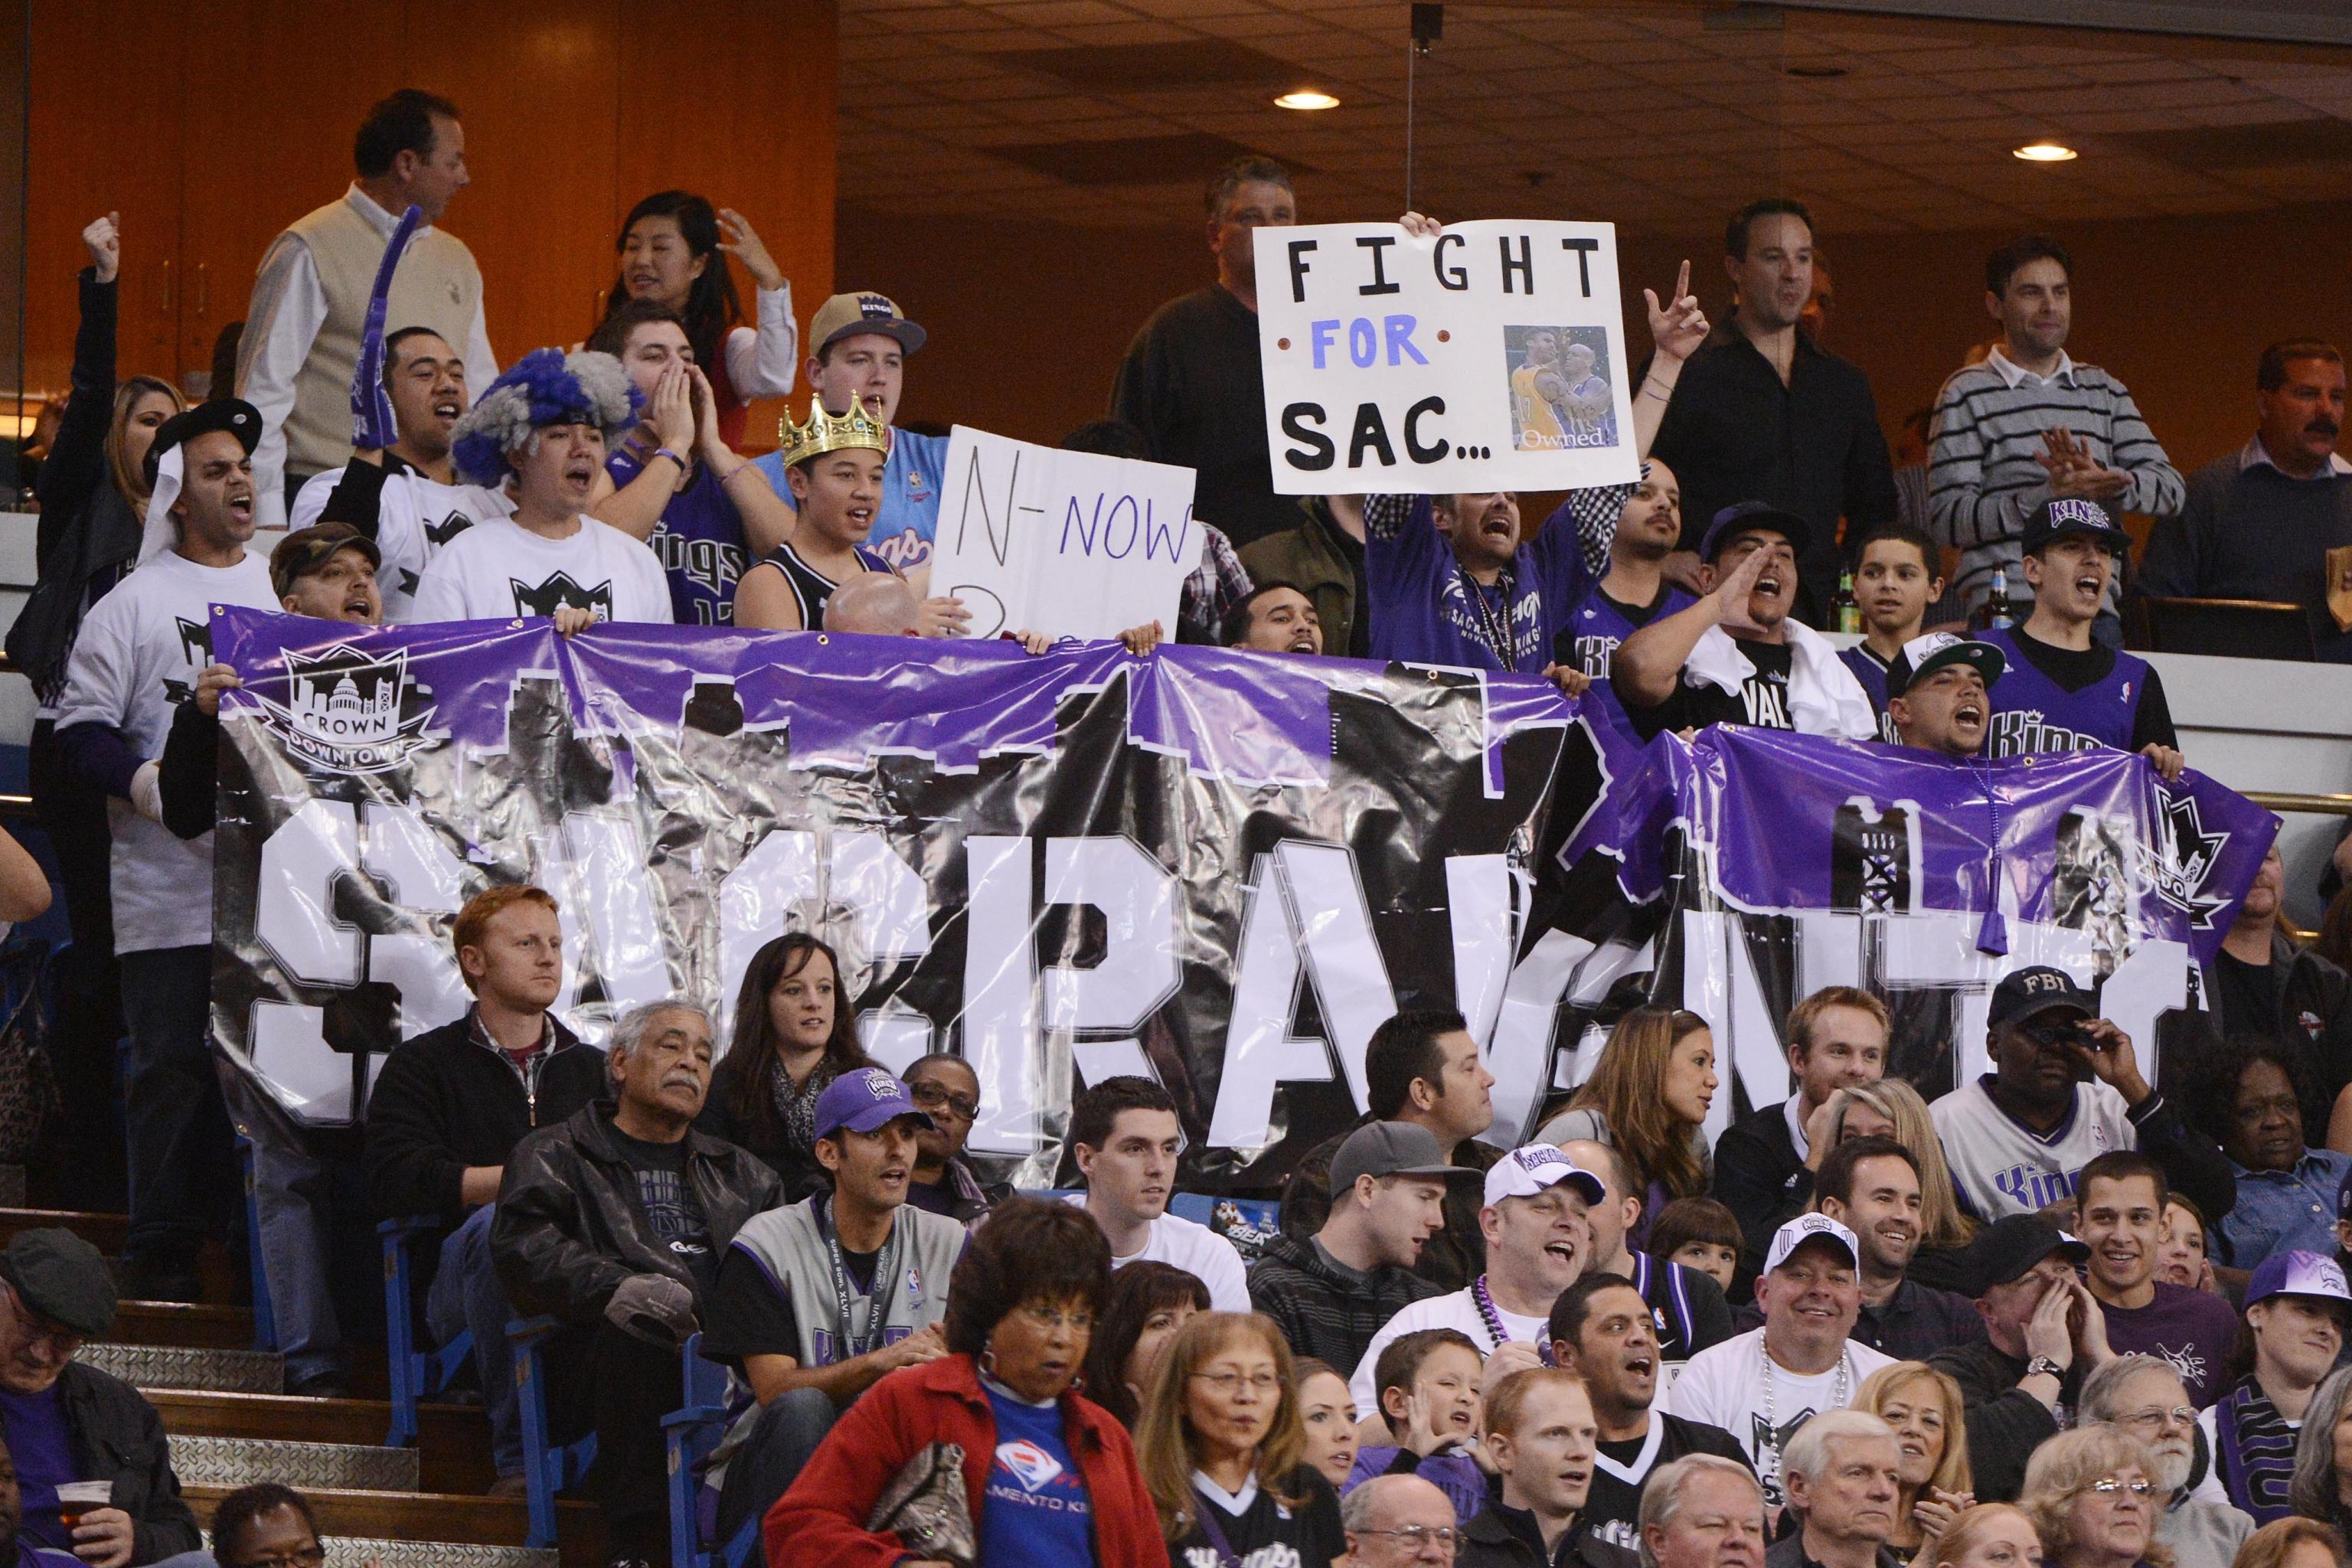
{"points": [[341, 711], [2180, 864]]}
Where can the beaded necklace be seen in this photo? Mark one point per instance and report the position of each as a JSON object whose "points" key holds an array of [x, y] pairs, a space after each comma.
{"points": [[1492, 1318]]}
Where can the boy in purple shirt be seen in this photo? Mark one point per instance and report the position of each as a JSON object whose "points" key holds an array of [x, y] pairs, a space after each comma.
{"points": [[2121, 1195]]}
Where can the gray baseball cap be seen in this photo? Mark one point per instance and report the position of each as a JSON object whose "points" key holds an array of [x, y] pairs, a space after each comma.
{"points": [[1390, 1149]]}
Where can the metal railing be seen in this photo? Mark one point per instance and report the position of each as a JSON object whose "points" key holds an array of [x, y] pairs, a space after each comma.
{"points": [[2314, 804]]}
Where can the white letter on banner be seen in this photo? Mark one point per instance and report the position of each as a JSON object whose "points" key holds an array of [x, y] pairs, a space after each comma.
{"points": [[778, 872], [1529, 1017], [419, 873], [294, 915], [1485, 928], [999, 996], [1335, 933], [612, 883], [1260, 1049], [288, 1043], [2152, 981], [1137, 895], [1720, 984]]}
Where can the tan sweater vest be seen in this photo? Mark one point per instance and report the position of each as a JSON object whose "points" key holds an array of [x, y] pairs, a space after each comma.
{"points": [[436, 285]]}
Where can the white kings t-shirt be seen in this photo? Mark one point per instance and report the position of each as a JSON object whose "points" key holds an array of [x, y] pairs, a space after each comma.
{"points": [[415, 517], [135, 660], [1723, 1385], [1458, 1310], [1196, 1249], [498, 569], [2003, 1167]]}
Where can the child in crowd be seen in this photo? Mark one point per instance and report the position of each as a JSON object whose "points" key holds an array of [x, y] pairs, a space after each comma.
{"points": [[1429, 1386], [1698, 1233]]}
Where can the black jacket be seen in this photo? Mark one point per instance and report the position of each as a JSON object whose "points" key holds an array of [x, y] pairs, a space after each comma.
{"points": [[1789, 1552], [118, 1436], [1450, 1260], [2313, 1023], [571, 1225], [1325, 1311], [1762, 1180], [2005, 1423], [443, 1102], [1500, 1537]]}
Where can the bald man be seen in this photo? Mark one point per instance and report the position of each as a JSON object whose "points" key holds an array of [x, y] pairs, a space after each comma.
{"points": [[1376, 1514], [879, 604]]}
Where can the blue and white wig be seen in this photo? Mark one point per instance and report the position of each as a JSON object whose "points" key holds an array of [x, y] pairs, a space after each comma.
{"points": [[546, 387]]}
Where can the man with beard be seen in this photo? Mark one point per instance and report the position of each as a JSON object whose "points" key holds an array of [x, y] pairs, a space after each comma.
{"points": [[1537, 1239], [136, 659], [2065, 1087], [2043, 1332], [1843, 1478], [2295, 1304], [2258, 522], [2263, 984], [1634, 591], [1736, 657], [2063, 690], [2121, 1201], [1936, 693], [2143, 1395], [1604, 1331], [1870, 1186], [1762, 1387], [1451, 582], [1276, 618], [1540, 1434], [1686, 1308]]}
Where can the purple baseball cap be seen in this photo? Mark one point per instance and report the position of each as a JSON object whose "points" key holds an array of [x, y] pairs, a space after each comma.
{"points": [[2298, 1274], [864, 1101]]}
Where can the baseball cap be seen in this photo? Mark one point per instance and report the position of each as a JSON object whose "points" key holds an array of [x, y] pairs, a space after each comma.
{"points": [[306, 550], [846, 315], [1808, 1228], [61, 1278], [1923, 656], [1525, 1172], [2009, 1245], [1390, 1149], [2022, 993], [2298, 1274], [2073, 515], [1748, 516], [864, 1101]]}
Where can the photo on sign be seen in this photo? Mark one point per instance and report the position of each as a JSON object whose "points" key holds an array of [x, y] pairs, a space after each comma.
{"points": [[1560, 395]]}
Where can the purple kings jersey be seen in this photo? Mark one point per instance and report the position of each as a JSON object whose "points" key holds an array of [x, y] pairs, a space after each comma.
{"points": [[1588, 641], [2032, 712], [699, 542], [1872, 676]]}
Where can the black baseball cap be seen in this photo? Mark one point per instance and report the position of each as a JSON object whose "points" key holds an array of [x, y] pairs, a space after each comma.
{"points": [[2024, 993], [1754, 517], [234, 414], [61, 1279], [2072, 516], [1923, 656], [306, 550], [2009, 1245]]}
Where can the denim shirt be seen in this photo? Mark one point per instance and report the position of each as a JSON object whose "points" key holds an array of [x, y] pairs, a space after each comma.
{"points": [[2277, 1210]]}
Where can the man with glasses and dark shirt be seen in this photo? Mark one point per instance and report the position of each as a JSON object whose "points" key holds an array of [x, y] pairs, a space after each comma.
{"points": [[944, 1087], [2062, 690]]}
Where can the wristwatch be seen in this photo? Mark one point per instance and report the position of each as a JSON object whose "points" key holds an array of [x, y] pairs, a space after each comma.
{"points": [[2042, 1365]]}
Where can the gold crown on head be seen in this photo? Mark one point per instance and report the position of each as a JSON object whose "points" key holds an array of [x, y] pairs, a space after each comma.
{"points": [[830, 432]]}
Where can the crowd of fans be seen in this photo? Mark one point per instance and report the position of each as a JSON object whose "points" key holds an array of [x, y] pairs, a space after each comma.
{"points": [[2056, 1317]]}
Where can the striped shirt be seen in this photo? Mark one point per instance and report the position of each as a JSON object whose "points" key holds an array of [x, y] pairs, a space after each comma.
{"points": [[1983, 481], [2253, 1449]]}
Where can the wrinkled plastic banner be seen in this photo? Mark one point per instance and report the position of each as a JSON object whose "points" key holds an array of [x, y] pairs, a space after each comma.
{"points": [[1222, 870], [1777, 864]]}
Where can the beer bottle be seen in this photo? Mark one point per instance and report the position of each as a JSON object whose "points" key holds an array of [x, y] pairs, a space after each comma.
{"points": [[1997, 608], [1845, 616]]}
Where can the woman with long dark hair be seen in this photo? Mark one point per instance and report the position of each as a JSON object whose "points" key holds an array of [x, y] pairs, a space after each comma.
{"points": [[793, 1034], [674, 248], [93, 491], [1147, 1303]]}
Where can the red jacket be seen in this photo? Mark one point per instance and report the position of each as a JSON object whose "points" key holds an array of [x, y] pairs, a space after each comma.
{"points": [[821, 1522]]}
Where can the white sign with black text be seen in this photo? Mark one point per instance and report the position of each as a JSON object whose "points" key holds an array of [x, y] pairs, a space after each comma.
{"points": [[1067, 543], [1488, 357]]}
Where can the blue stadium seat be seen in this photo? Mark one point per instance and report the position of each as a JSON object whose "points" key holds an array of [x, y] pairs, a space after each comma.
{"points": [[548, 1470], [689, 1434], [415, 1375], [264, 1316]]}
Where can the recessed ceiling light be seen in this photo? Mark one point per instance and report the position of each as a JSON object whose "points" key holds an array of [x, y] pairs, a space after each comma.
{"points": [[2045, 152], [1307, 98]]}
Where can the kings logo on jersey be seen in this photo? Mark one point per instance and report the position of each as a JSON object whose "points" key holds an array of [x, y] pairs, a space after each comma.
{"points": [[197, 648], [560, 592], [2179, 867], [342, 710]]}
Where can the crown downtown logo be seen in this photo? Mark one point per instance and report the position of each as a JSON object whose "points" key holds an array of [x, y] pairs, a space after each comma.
{"points": [[342, 711]]}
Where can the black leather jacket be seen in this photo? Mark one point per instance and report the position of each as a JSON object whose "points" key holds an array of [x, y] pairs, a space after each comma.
{"points": [[570, 1227]]}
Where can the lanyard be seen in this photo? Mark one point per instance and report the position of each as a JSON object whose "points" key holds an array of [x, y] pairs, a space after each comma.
{"points": [[1499, 635], [1206, 1512], [886, 1280]]}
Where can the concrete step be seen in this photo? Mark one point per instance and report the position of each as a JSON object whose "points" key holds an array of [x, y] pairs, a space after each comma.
{"points": [[179, 1366], [353, 1551], [435, 1516], [454, 1441], [241, 1461]]}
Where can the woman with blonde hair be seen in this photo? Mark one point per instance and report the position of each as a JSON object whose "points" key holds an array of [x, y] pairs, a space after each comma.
{"points": [[1934, 1487], [1648, 1099], [1988, 1535], [1893, 1108], [2322, 1484], [1224, 1451], [2091, 1493], [2292, 1542]]}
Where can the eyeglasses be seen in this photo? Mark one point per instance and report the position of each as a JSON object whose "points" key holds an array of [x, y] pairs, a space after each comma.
{"points": [[1232, 1381], [301, 1557], [1052, 1318], [2180, 1416], [1413, 1537], [2107, 1486], [934, 1094]]}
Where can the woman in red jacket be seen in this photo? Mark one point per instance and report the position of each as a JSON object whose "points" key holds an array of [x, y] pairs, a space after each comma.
{"points": [[1050, 1477]]}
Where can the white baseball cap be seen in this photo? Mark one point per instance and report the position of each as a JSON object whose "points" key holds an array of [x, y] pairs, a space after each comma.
{"points": [[1805, 1227], [1525, 1172]]}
